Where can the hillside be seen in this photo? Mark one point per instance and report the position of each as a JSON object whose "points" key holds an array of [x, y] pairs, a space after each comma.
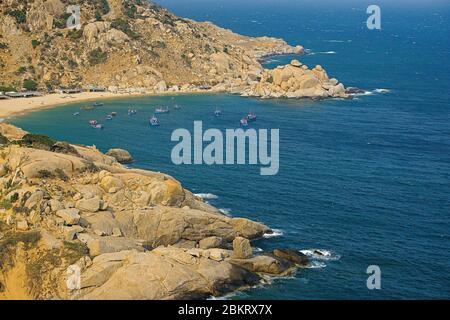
{"points": [[123, 43]]}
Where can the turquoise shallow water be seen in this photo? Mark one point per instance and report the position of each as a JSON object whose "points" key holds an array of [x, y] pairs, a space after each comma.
{"points": [[367, 179]]}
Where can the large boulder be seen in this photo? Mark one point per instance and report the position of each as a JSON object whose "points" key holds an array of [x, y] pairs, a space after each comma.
{"points": [[292, 255], [242, 248], [210, 242], [71, 216], [121, 155]]}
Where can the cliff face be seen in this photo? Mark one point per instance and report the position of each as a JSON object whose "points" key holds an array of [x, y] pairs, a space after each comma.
{"points": [[124, 43], [128, 233]]}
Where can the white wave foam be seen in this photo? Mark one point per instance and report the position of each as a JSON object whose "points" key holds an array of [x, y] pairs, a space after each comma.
{"points": [[382, 90], [316, 265], [276, 233], [323, 52], [321, 254], [225, 211], [206, 196]]}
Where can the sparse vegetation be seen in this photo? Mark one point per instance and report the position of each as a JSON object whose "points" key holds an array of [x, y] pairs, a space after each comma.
{"points": [[6, 204], [30, 84], [75, 34], [21, 70], [37, 141], [35, 43], [59, 173], [124, 26], [7, 88], [45, 174], [10, 242], [3, 45], [19, 15], [97, 56]]}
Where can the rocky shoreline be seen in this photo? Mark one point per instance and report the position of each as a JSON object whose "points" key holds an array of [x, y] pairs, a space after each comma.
{"points": [[76, 224]]}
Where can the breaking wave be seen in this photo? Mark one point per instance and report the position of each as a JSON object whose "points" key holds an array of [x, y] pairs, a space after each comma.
{"points": [[225, 211], [276, 233], [206, 196]]}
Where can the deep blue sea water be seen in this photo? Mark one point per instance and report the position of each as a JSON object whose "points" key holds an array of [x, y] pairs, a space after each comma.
{"points": [[367, 179]]}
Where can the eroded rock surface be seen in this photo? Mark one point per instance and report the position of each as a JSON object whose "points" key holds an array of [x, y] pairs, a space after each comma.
{"points": [[132, 234]]}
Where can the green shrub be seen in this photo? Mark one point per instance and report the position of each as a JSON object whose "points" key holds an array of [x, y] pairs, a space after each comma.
{"points": [[124, 26], [30, 84], [37, 141], [45, 174], [97, 56], [75, 34], [35, 43], [7, 88], [61, 174], [3, 45], [21, 70], [19, 15], [5, 204]]}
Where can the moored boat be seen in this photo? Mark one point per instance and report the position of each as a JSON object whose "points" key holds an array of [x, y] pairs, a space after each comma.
{"points": [[109, 117], [153, 121], [244, 122], [132, 112], [76, 114], [98, 126], [160, 110], [93, 122], [218, 112], [251, 116], [98, 104]]}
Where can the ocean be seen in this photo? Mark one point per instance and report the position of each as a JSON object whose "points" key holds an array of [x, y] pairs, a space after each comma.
{"points": [[366, 180]]}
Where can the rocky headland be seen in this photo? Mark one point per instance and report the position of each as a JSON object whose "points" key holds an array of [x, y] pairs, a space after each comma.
{"points": [[76, 224], [137, 46]]}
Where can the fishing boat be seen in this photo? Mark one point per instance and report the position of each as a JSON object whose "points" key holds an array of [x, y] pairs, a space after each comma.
{"points": [[109, 117], [87, 108], [153, 121], [218, 112], [113, 114], [76, 114], [98, 104], [93, 122], [132, 112], [98, 126], [251, 116], [160, 110], [244, 122], [177, 107]]}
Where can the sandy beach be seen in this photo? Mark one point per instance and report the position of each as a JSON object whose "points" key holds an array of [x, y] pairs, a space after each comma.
{"points": [[12, 107]]}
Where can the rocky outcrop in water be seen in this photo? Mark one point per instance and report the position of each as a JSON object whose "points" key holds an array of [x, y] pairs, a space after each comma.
{"points": [[296, 80], [128, 233]]}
